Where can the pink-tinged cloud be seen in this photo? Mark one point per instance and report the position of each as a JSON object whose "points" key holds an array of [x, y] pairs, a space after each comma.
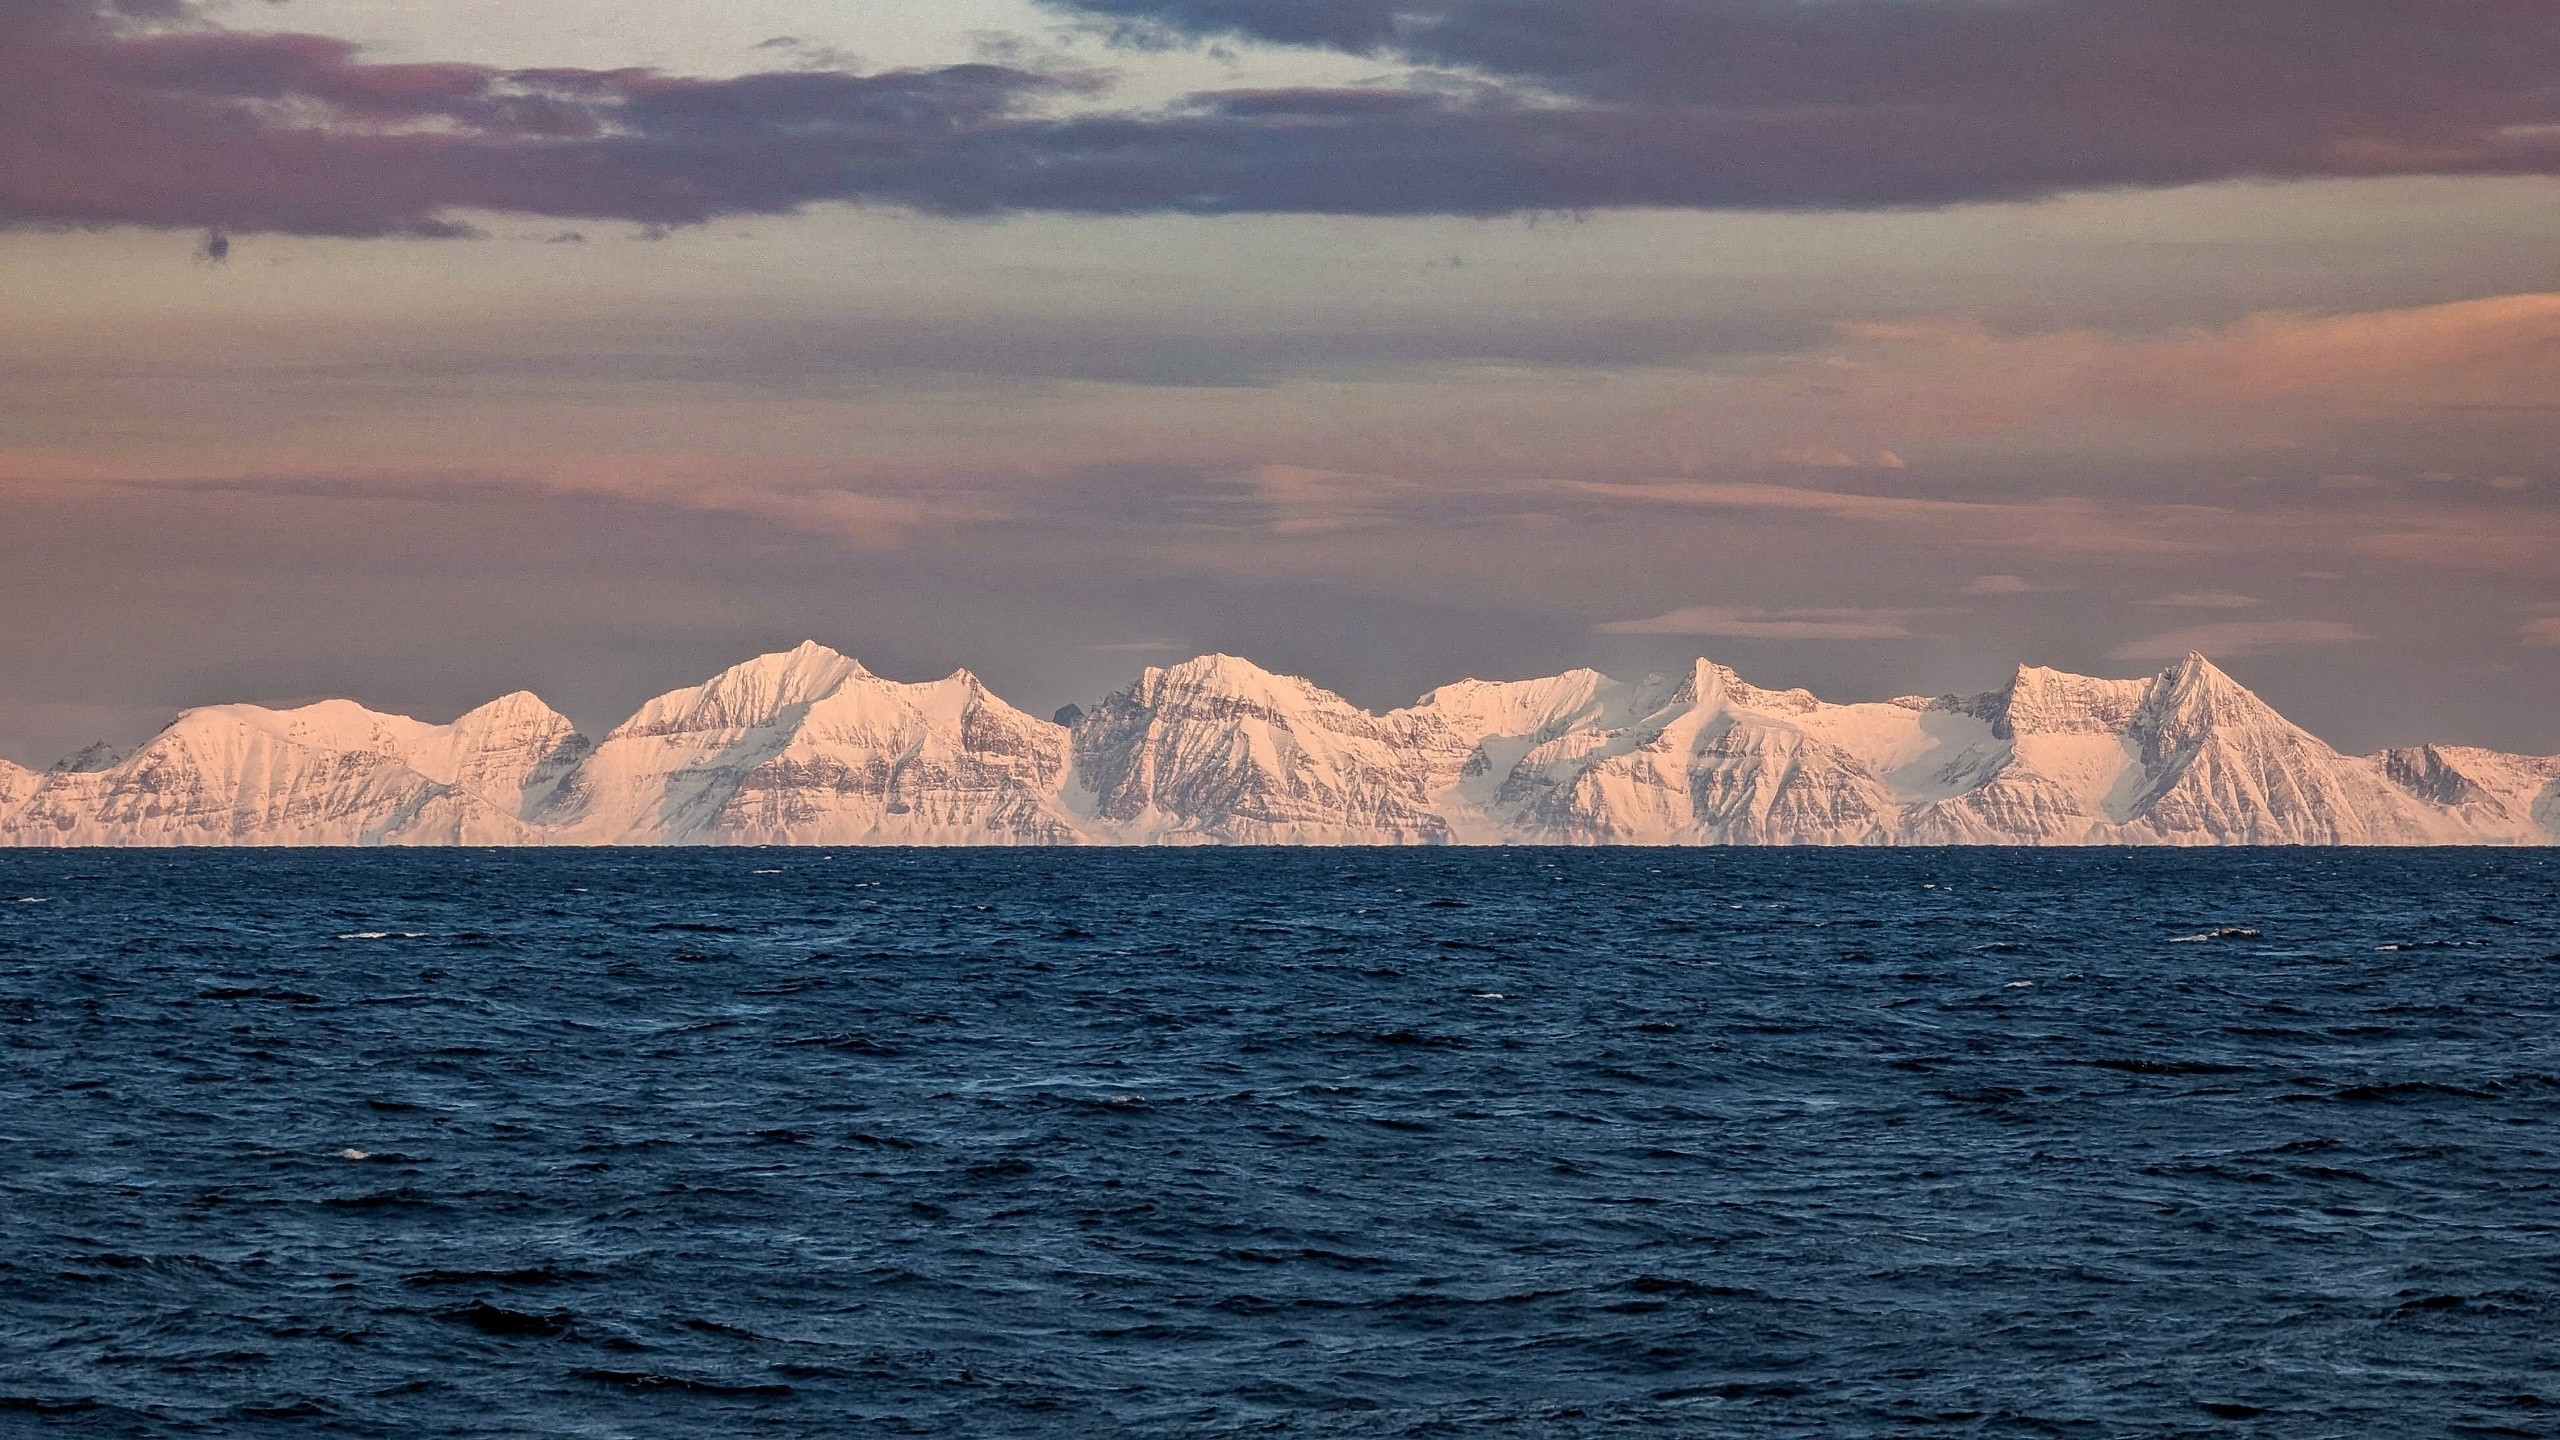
{"points": [[2204, 600], [2239, 637], [1828, 457], [2272, 385], [1752, 623], [2055, 525], [1992, 585], [140, 113], [2545, 631]]}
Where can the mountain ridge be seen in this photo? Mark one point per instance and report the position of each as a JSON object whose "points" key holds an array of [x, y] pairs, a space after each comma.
{"points": [[807, 746]]}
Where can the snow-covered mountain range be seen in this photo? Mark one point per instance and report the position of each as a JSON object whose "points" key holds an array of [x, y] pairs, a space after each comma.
{"points": [[807, 747]]}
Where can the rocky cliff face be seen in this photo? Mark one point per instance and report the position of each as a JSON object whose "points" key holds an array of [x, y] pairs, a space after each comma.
{"points": [[2187, 757], [1714, 761], [1220, 751], [2491, 793], [808, 747]]}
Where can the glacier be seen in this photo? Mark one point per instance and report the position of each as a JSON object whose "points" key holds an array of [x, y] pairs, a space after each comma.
{"points": [[807, 747]]}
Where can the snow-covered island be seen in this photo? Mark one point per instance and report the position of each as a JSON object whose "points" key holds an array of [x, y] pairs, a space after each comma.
{"points": [[806, 747]]}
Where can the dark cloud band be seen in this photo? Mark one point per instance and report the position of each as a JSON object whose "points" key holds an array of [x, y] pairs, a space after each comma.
{"points": [[131, 112]]}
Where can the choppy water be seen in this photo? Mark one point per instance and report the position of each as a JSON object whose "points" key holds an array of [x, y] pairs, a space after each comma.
{"points": [[1346, 1143]]}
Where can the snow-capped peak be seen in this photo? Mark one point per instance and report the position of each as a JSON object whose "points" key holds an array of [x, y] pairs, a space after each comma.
{"points": [[1710, 685], [1234, 679], [807, 746], [2194, 698], [747, 695], [2055, 702]]}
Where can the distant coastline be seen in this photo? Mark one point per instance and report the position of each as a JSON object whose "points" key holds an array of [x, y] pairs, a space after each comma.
{"points": [[807, 747]]}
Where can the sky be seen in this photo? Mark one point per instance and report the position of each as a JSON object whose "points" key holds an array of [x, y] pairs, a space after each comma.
{"points": [[423, 350]]}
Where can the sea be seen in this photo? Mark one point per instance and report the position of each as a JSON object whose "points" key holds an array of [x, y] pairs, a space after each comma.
{"points": [[1315, 1143]]}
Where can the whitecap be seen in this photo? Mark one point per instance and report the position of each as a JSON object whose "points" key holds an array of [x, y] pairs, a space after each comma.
{"points": [[353, 1154]]}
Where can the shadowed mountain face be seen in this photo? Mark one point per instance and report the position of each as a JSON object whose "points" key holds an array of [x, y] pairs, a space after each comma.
{"points": [[808, 747]]}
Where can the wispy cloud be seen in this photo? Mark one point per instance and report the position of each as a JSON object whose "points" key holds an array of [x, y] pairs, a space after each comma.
{"points": [[1986, 585], [2064, 523], [1753, 623], [1826, 457], [2239, 637], [2204, 600], [2545, 631]]}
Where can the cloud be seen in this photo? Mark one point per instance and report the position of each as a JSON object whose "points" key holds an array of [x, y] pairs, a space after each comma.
{"points": [[2545, 631], [175, 123], [1300, 500], [2500, 351], [2204, 600], [1996, 585], [131, 113], [1826, 457], [2239, 637], [2044, 525], [1760, 624], [1866, 102]]}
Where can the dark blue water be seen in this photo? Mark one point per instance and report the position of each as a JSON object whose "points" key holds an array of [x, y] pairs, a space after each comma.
{"points": [[1431, 1143]]}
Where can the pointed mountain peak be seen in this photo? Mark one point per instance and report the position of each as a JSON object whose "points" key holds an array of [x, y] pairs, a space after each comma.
{"points": [[1225, 685], [1704, 683], [2193, 668], [2197, 677], [2044, 701], [1237, 678], [521, 707], [1709, 683], [807, 657], [806, 667], [961, 685], [752, 693], [1222, 668], [2195, 696]]}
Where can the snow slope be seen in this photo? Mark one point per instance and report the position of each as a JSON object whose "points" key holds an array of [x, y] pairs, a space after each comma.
{"points": [[808, 747], [17, 786], [333, 773], [1219, 750]]}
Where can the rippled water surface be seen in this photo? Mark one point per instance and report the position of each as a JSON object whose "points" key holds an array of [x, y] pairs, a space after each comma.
{"points": [[1333, 1143]]}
